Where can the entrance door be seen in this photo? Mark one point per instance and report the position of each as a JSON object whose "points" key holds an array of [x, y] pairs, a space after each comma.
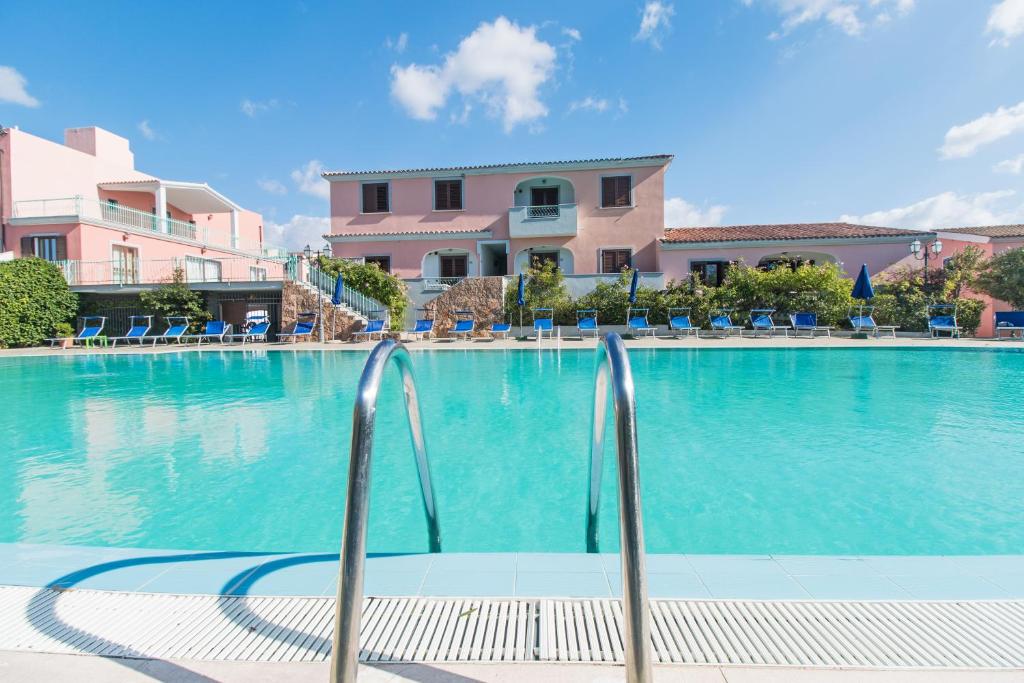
{"points": [[125, 265], [454, 265]]}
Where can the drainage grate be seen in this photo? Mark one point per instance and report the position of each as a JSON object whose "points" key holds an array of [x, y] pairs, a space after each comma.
{"points": [[853, 634]]}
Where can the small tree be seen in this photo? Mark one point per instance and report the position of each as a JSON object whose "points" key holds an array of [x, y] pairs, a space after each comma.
{"points": [[369, 279], [175, 299], [961, 271], [1003, 279], [545, 288], [34, 300]]}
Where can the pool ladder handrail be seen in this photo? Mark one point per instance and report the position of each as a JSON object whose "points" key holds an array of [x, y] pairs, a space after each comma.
{"points": [[348, 609], [613, 368]]}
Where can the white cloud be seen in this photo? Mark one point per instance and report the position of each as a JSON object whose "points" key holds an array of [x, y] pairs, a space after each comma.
{"points": [[12, 88], [573, 33], [1006, 20], [848, 16], [598, 104], [307, 179], [271, 186], [964, 140], [500, 64], [398, 44], [1011, 166], [680, 213], [655, 22], [147, 130], [253, 108], [949, 210], [299, 231]]}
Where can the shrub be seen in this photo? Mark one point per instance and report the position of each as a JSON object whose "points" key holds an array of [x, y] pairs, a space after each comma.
{"points": [[968, 313], [175, 298], [34, 299], [961, 271], [370, 280], [821, 289], [545, 288], [63, 330], [611, 301], [1003, 278]]}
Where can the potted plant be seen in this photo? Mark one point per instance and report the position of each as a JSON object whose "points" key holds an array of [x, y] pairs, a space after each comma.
{"points": [[66, 333]]}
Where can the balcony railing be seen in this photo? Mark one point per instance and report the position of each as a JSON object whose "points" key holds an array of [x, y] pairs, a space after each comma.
{"points": [[366, 306], [440, 284], [556, 220], [158, 271], [127, 218]]}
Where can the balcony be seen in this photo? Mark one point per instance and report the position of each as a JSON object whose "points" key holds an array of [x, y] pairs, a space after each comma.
{"points": [[80, 209], [556, 220], [129, 271]]}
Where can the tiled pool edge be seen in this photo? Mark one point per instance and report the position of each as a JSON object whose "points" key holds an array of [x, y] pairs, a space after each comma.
{"points": [[534, 575]]}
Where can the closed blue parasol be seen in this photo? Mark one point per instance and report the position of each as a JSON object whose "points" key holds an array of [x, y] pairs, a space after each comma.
{"points": [[862, 289], [633, 285], [522, 290], [339, 288]]}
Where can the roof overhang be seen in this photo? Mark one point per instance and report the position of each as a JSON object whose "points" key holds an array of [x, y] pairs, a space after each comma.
{"points": [[189, 197], [808, 242], [407, 236], [535, 167]]}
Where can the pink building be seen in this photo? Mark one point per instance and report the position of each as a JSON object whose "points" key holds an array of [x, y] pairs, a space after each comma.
{"points": [[84, 204], [707, 252], [593, 216]]}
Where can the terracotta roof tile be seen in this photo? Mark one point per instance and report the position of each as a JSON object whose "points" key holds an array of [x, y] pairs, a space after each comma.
{"points": [[782, 231], [440, 169], [461, 231], [990, 230]]}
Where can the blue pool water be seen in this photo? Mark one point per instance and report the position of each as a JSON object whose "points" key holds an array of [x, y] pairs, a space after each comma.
{"points": [[795, 451]]}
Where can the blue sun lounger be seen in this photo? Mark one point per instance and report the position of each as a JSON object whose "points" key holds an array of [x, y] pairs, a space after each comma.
{"points": [[258, 332], [423, 329], [862, 319], [177, 326], [543, 325], [636, 322], [138, 328], [92, 326], [1009, 322], [303, 327], [942, 318], [212, 330], [808, 322], [679, 322], [761, 321], [721, 322], [464, 325], [373, 327], [586, 322], [500, 329]]}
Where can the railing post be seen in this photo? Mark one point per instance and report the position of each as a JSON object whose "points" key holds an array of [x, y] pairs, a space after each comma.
{"points": [[348, 608], [613, 369]]}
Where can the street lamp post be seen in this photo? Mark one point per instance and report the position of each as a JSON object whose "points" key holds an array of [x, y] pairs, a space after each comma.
{"points": [[319, 293], [921, 253]]}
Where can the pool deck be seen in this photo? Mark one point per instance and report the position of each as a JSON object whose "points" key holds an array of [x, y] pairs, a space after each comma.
{"points": [[562, 343]]}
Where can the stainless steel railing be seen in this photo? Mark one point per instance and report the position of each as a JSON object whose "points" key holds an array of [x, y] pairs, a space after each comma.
{"points": [[613, 368], [348, 610]]}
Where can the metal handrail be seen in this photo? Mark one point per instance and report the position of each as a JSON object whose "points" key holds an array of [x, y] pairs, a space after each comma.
{"points": [[348, 609], [613, 368]]}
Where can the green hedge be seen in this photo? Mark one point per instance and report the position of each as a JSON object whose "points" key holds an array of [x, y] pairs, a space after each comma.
{"points": [[34, 299], [370, 280]]}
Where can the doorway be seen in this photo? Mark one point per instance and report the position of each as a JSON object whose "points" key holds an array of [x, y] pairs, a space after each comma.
{"points": [[493, 258], [125, 265], [544, 196]]}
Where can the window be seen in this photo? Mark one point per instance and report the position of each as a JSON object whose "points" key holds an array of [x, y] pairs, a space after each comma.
{"points": [[539, 258], [51, 248], [201, 270], [614, 260], [125, 265], [616, 191], [710, 273], [375, 198], [383, 262], [543, 196], [257, 274], [454, 265], [447, 195]]}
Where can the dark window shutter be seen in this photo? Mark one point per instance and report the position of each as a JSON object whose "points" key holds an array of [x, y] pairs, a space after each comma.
{"points": [[455, 194], [369, 199], [607, 191], [382, 197], [607, 262], [440, 196], [622, 188], [62, 248], [26, 247]]}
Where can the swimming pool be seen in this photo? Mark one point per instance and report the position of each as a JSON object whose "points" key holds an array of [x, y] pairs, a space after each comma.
{"points": [[786, 451]]}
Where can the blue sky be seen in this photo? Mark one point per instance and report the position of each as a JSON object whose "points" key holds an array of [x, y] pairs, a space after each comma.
{"points": [[893, 112]]}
